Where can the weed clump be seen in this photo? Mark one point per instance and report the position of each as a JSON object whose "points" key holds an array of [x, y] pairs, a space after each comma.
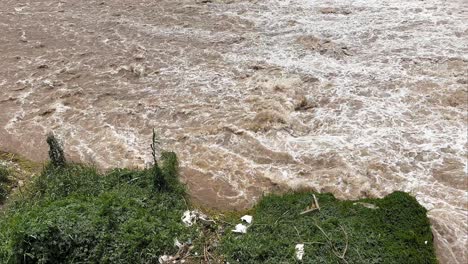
{"points": [[397, 231], [4, 172], [72, 213], [159, 182], [56, 154], [75, 214]]}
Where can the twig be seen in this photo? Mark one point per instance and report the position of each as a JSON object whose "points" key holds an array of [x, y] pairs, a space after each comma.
{"points": [[209, 256], [346, 245], [314, 206], [313, 242], [308, 211], [132, 180], [316, 202], [204, 253], [323, 232], [330, 242], [297, 231]]}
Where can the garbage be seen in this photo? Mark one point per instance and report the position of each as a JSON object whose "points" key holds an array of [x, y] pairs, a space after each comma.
{"points": [[164, 259], [190, 217], [299, 251], [182, 253], [240, 228], [177, 243], [247, 218]]}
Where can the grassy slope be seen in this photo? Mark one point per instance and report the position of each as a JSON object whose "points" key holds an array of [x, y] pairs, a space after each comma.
{"points": [[15, 171], [397, 232], [77, 215]]}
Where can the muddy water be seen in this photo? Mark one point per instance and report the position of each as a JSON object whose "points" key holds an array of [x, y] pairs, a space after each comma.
{"points": [[358, 98]]}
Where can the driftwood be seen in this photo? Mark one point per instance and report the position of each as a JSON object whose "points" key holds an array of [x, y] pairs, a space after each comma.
{"points": [[316, 202], [308, 211], [314, 206]]}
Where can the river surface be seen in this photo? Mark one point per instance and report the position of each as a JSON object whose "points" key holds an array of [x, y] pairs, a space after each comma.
{"points": [[358, 98]]}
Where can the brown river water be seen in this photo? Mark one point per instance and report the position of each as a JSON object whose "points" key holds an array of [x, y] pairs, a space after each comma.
{"points": [[358, 98]]}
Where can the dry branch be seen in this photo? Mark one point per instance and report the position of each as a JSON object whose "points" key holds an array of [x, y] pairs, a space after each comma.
{"points": [[314, 206], [332, 245]]}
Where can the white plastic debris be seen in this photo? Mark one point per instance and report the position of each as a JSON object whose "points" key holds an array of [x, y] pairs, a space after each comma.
{"points": [[189, 218], [240, 228], [299, 251], [247, 218], [177, 243], [164, 259], [425, 242], [204, 218]]}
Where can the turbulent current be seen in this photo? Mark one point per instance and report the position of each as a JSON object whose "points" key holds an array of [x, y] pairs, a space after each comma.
{"points": [[358, 98]]}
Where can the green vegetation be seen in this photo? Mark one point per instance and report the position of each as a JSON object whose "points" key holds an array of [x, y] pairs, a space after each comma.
{"points": [[4, 188], [56, 155], [72, 213], [24, 168], [14, 172], [396, 231]]}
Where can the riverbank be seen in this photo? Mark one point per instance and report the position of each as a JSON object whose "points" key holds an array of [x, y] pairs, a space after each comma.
{"points": [[356, 98], [73, 213]]}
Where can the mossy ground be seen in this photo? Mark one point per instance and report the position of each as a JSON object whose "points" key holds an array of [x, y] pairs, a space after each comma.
{"points": [[76, 214], [398, 231]]}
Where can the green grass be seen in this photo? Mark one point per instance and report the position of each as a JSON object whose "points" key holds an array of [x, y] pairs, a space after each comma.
{"points": [[397, 232], [4, 189], [76, 215]]}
